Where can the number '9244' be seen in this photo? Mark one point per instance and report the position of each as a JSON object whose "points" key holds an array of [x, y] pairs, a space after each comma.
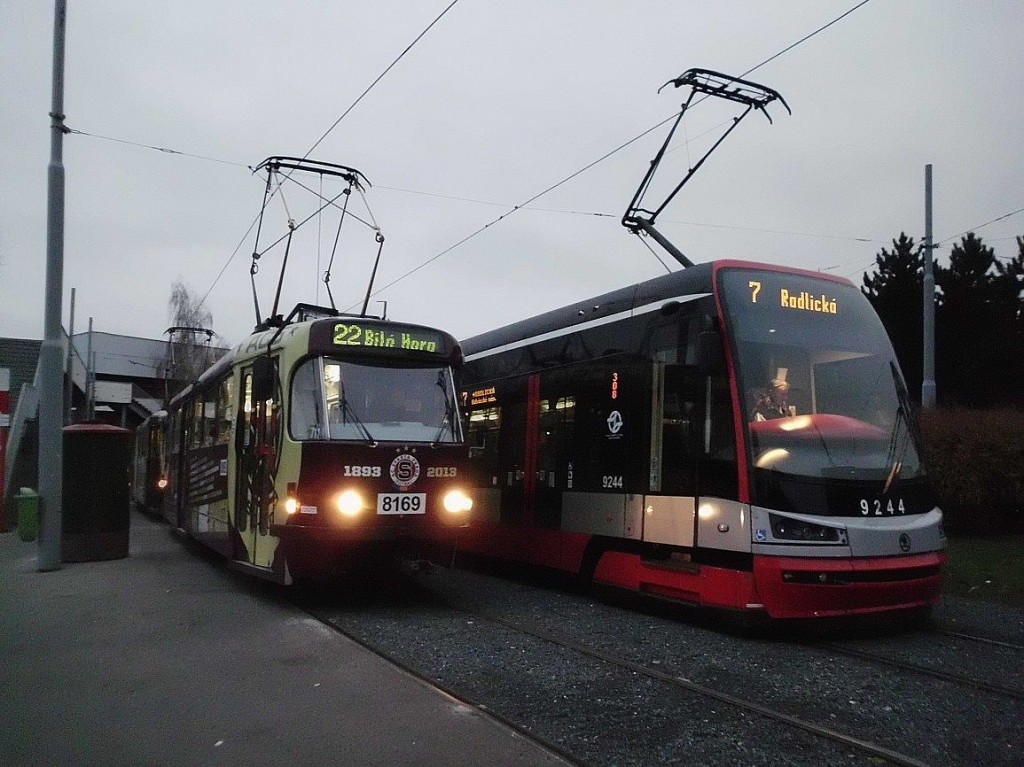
{"points": [[882, 508]]}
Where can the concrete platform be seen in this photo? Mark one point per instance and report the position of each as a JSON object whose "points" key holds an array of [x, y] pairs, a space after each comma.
{"points": [[165, 659]]}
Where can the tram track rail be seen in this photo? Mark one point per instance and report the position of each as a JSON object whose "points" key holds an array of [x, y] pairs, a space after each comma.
{"points": [[872, 749], [869, 744], [570, 759], [877, 751], [945, 676], [980, 640]]}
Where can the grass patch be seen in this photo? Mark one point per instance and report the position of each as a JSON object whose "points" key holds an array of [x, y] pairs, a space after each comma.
{"points": [[990, 569]]}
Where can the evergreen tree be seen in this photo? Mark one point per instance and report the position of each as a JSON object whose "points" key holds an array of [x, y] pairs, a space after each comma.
{"points": [[1009, 318], [895, 290], [1009, 285], [969, 348]]}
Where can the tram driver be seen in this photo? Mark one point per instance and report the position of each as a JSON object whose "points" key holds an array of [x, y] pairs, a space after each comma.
{"points": [[774, 402]]}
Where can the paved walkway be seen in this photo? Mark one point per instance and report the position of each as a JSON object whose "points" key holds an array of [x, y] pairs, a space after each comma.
{"points": [[165, 659]]}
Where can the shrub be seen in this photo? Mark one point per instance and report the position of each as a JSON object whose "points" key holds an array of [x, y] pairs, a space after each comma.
{"points": [[975, 459]]}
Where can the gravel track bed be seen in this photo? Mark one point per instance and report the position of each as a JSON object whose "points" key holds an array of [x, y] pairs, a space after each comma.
{"points": [[935, 721], [608, 716], [602, 714], [1000, 666], [989, 621]]}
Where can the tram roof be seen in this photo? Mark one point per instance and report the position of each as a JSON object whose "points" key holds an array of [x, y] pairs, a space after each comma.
{"points": [[692, 281], [278, 337], [689, 283]]}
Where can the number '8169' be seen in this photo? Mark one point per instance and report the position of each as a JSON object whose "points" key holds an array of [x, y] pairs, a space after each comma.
{"points": [[878, 508]]}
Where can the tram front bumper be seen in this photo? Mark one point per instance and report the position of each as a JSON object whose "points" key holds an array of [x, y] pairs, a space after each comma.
{"points": [[793, 587]]}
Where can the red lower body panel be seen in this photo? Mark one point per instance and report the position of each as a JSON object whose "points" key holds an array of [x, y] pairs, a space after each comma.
{"points": [[792, 587], [783, 587], [704, 585]]}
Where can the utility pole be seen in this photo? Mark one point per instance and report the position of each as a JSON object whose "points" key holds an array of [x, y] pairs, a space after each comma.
{"points": [[51, 384], [90, 371], [928, 379], [69, 370]]}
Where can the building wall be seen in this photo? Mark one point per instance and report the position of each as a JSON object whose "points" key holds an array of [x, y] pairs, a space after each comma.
{"points": [[20, 355]]}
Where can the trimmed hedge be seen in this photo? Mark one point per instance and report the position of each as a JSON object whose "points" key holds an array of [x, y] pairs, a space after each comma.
{"points": [[975, 459]]}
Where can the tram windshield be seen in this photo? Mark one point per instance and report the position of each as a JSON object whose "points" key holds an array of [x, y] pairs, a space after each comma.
{"points": [[367, 402], [823, 395]]}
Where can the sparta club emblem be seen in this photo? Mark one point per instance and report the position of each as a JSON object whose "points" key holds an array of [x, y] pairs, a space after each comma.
{"points": [[405, 470]]}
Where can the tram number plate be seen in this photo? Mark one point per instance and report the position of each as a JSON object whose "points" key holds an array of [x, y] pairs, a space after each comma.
{"points": [[402, 503]]}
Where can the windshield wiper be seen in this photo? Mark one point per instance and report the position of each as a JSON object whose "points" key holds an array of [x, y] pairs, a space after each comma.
{"points": [[897, 449], [449, 409], [348, 412]]}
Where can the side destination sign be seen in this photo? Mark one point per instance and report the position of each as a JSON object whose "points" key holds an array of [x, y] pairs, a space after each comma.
{"points": [[412, 339]]}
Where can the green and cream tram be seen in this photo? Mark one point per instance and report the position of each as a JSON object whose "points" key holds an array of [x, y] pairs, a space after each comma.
{"points": [[317, 444]]}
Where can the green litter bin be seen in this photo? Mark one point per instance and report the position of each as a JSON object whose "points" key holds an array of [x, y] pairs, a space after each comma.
{"points": [[27, 504]]}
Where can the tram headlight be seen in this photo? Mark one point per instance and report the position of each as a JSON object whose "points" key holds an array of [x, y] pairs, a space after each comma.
{"points": [[788, 529], [350, 503], [456, 501], [291, 506]]}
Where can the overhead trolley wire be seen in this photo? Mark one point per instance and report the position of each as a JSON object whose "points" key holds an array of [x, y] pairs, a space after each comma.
{"points": [[163, 149], [982, 226], [617, 216], [494, 204], [807, 37], [328, 132], [380, 77], [519, 207], [604, 157], [513, 208]]}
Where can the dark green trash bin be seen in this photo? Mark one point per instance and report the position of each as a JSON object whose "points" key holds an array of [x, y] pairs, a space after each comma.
{"points": [[27, 502], [96, 494]]}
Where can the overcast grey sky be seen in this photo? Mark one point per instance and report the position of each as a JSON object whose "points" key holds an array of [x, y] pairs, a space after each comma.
{"points": [[497, 102]]}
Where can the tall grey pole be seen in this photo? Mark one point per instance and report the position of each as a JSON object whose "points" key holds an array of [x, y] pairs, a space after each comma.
{"points": [[90, 359], [928, 379], [51, 383], [69, 369], [92, 385]]}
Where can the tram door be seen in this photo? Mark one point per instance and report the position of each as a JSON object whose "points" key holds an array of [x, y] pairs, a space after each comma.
{"points": [[517, 454], [682, 427], [698, 445], [678, 408], [256, 447]]}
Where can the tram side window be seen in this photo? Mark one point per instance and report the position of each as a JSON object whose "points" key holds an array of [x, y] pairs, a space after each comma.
{"points": [[172, 433], [306, 421], [665, 344], [675, 343], [210, 423], [225, 412], [557, 421], [274, 424], [484, 425], [198, 427], [177, 427]]}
